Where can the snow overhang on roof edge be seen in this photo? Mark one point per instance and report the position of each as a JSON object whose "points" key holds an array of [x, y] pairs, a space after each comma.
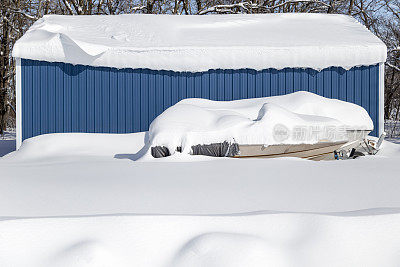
{"points": [[200, 43]]}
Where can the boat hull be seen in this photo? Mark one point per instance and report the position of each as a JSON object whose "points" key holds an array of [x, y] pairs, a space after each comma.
{"points": [[318, 151]]}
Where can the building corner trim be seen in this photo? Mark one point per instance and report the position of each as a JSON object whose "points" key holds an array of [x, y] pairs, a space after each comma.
{"points": [[381, 118], [18, 94]]}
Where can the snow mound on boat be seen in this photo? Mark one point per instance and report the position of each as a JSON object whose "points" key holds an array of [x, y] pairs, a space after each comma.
{"points": [[300, 117]]}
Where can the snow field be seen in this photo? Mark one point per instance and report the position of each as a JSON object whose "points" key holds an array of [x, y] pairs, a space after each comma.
{"points": [[202, 241]]}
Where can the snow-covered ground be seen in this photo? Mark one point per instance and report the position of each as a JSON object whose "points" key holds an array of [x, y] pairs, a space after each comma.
{"points": [[92, 174], [392, 129], [86, 200]]}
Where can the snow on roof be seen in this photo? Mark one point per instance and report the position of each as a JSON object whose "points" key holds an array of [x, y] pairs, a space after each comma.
{"points": [[200, 43]]}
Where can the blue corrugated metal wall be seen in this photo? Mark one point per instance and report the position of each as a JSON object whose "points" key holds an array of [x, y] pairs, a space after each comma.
{"points": [[60, 97]]}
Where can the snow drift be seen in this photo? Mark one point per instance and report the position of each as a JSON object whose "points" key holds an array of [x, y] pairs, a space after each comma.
{"points": [[58, 145], [200, 43], [40, 181], [302, 116], [279, 240], [103, 210]]}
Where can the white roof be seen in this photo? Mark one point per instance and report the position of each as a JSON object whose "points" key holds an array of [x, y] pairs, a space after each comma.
{"points": [[199, 43]]}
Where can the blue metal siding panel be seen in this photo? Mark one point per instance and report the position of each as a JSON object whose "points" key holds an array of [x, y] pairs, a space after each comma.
{"points": [[274, 82], [121, 104], [136, 100], [75, 110], [342, 84], [304, 79], [113, 93], [320, 82], [335, 86], [144, 100], [228, 86], [152, 96], [364, 86], [327, 80], [159, 93], [266, 77], [181, 85], [23, 98], [60, 97], [235, 85], [28, 103], [102, 100], [205, 85], [282, 82], [51, 98], [189, 84], [98, 101], [357, 86], [197, 85], [297, 80], [289, 80], [374, 96], [220, 85], [128, 101], [243, 82], [68, 98], [350, 86], [259, 84], [90, 106], [35, 99], [82, 93], [312, 81], [43, 98], [175, 88], [251, 83]]}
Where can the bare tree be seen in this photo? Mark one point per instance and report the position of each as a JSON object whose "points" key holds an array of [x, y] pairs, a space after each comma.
{"points": [[390, 33], [14, 21]]}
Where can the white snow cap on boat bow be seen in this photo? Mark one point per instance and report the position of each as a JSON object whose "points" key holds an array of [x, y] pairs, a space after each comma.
{"points": [[200, 43], [304, 117]]}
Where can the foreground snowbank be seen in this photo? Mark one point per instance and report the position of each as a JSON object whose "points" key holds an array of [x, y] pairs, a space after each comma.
{"points": [[39, 181], [300, 117], [71, 179], [53, 146], [279, 240]]}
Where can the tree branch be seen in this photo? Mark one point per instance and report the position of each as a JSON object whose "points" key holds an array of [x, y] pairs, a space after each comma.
{"points": [[393, 66], [249, 7], [68, 6], [18, 11], [10, 24], [300, 1], [138, 8]]}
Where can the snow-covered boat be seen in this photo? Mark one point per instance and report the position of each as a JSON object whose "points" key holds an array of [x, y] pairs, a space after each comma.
{"points": [[300, 124]]}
